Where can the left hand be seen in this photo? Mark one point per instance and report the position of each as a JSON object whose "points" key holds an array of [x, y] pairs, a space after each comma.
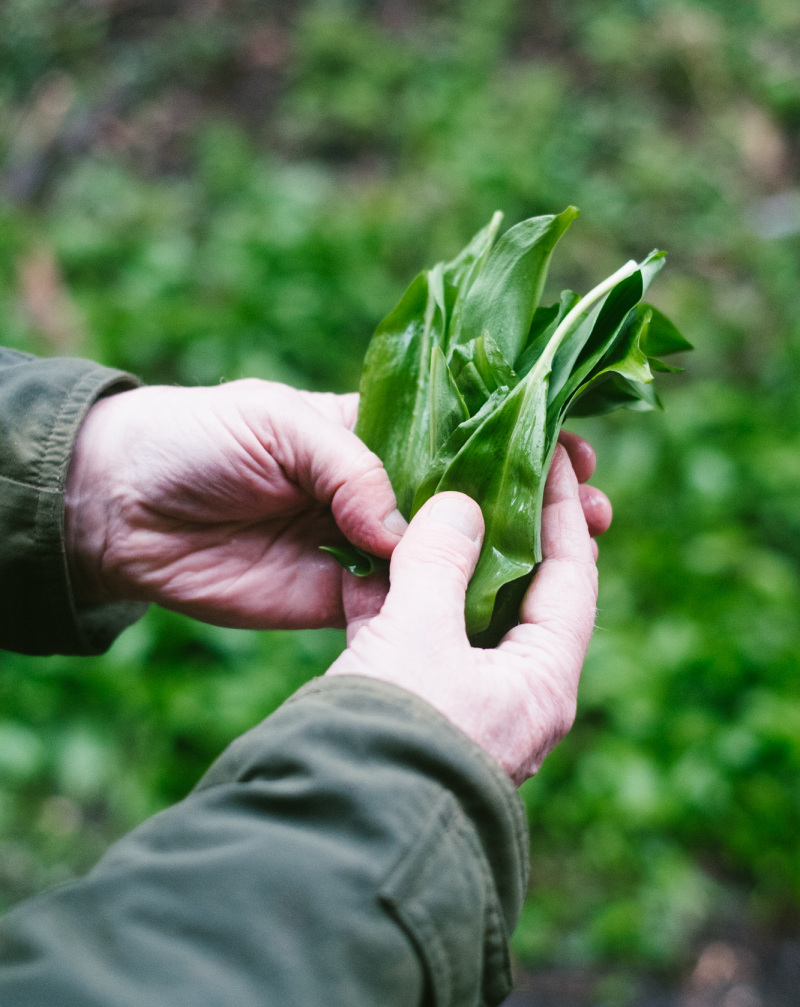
{"points": [[214, 502]]}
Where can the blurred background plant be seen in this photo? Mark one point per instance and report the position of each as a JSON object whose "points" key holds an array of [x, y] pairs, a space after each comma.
{"points": [[198, 190]]}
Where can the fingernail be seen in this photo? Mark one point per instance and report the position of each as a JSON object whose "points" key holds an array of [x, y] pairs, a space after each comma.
{"points": [[395, 523], [457, 513]]}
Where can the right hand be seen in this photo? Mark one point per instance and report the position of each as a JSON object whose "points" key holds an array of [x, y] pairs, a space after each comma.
{"points": [[518, 700]]}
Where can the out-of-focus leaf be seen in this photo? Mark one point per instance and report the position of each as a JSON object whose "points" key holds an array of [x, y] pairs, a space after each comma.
{"points": [[611, 392]]}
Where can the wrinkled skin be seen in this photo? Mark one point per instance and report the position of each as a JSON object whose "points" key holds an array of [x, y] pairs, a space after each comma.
{"points": [[518, 700]]}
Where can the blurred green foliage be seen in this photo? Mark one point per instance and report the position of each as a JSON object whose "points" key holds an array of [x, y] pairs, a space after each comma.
{"points": [[201, 191]]}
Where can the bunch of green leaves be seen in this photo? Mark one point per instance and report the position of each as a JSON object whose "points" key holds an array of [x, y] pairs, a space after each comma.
{"points": [[466, 385]]}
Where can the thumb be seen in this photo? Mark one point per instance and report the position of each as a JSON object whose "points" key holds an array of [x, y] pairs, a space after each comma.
{"points": [[433, 563]]}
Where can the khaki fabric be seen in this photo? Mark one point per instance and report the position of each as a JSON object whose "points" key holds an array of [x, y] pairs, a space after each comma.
{"points": [[353, 850], [42, 406]]}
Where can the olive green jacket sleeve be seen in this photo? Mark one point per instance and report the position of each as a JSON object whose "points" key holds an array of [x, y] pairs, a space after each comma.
{"points": [[42, 406], [353, 850]]}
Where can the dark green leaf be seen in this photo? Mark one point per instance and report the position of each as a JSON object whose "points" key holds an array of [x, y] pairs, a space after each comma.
{"points": [[356, 561], [612, 392], [501, 467], [662, 336], [467, 383], [448, 451], [394, 411], [661, 367], [448, 408], [545, 322], [468, 380]]}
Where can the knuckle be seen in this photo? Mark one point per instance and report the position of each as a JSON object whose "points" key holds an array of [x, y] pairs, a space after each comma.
{"points": [[438, 555]]}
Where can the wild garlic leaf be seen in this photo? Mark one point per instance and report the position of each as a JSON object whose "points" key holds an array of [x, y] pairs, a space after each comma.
{"points": [[468, 379], [500, 467], [612, 392], [460, 274], [479, 368], [492, 365], [662, 368], [504, 297], [448, 408], [608, 326], [626, 356], [451, 447], [394, 409]]}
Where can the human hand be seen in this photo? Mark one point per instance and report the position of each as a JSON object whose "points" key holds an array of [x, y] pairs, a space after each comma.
{"points": [[214, 502], [518, 700]]}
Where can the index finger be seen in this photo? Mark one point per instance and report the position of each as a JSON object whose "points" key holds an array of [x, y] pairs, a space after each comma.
{"points": [[341, 409]]}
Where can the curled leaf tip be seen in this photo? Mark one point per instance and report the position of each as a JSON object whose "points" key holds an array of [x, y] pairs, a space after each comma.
{"points": [[356, 561]]}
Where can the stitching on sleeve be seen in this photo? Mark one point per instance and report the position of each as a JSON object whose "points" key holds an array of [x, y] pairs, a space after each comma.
{"points": [[448, 835], [412, 913]]}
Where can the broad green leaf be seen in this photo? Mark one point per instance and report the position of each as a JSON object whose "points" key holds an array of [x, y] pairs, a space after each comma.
{"points": [[505, 613], [479, 368], [460, 274], [571, 369], [607, 326], [394, 410], [468, 379], [626, 356], [492, 365], [501, 466], [505, 295], [448, 408], [467, 382], [571, 347], [448, 451], [627, 359], [650, 267], [659, 365]]}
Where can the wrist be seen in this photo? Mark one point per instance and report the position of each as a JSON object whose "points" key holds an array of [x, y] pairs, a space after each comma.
{"points": [[87, 506]]}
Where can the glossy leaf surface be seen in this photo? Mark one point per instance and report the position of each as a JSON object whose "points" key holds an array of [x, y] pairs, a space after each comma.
{"points": [[467, 382], [506, 294], [356, 561]]}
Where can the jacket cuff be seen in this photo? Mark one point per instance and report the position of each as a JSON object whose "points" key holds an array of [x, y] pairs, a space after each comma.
{"points": [[42, 406]]}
